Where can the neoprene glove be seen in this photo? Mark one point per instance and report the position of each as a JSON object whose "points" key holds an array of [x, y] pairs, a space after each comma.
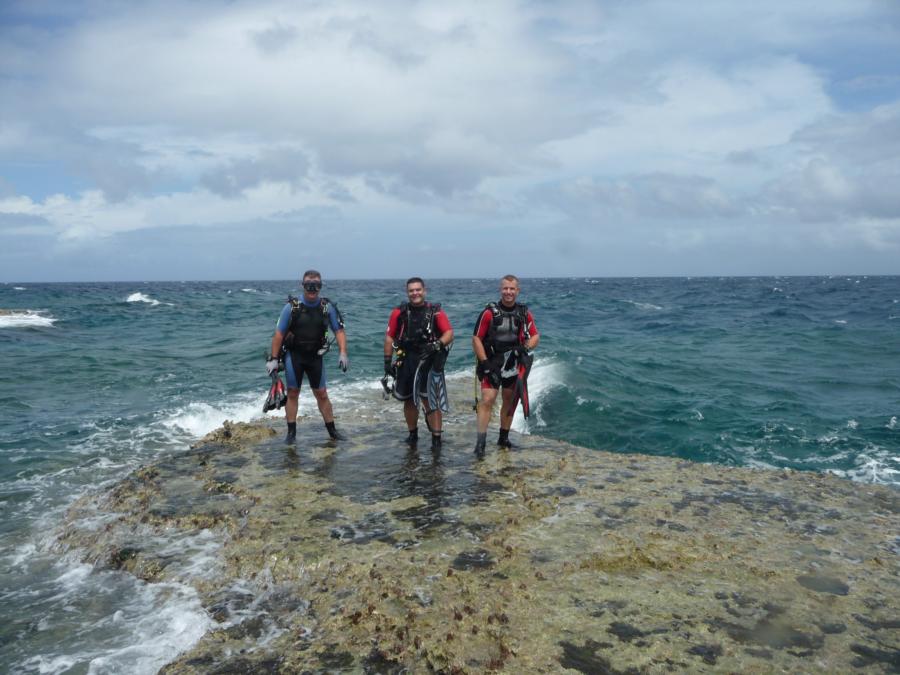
{"points": [[388, 368], [344, 361], [432, 347], [272, 366], [481, 370]]}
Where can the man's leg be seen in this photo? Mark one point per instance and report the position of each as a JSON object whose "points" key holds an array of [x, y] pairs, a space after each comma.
{"points": [[290, 414], [507, 412], [411, 414], [324, 404], [435, 419], [485, 408]]}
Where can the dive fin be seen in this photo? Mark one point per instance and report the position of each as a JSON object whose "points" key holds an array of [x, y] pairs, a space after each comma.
{"points": [[437, 383], [421, 370], [520, 393], [437, 391], [277, 395]]}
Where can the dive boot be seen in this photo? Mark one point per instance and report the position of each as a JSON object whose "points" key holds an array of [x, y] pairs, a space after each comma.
{"points": [[334, 433], [480, 442]]}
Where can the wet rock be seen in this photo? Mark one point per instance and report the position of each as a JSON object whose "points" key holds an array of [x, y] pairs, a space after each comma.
{"points": [[624, 631], [677, 527], [760, 653], [871, 655], [253, 627], [561, 491], [585, 659], [890, 624], [333, 658], [477, 559], [242, 665], [709, 653], [378, 663], [326, 516], [772, 634], [614, 606], [823, 584]]}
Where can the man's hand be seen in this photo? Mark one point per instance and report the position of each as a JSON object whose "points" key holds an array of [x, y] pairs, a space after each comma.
{"points": [[273, 365], [432, 347], [344, 361]]}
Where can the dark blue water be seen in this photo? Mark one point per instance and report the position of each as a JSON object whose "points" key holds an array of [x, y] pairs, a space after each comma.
{"points": [[96, 379]]}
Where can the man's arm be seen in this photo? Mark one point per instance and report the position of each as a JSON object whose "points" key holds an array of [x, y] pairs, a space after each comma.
{"points": [[280, 329]]}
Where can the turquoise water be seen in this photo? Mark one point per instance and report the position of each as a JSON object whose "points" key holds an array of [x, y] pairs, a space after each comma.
{"points": [[97, 379]]}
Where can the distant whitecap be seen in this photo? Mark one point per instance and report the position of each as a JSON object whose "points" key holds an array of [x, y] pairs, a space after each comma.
{"points": [[140, 297], [24, 319]]}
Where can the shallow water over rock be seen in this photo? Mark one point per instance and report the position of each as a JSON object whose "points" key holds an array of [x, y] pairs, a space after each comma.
{"points": [[366, 556]]}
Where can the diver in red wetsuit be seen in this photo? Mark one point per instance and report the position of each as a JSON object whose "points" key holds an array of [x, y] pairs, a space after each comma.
{"points": [[505, 334]]}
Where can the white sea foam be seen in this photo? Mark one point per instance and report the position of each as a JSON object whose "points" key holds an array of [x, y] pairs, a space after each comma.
{"points": [[124, 624], [140, 297], [195, 556], [22, 288], [842, 322], [874, 465], [199, 418], [544, 377], [25, 319], [162, 621], [892, 423]]}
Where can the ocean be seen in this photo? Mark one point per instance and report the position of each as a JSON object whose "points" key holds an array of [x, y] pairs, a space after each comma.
{"points": [[97, 379]]}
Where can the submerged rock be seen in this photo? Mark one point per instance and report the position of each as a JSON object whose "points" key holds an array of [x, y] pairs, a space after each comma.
{"points": [[364, 556]]}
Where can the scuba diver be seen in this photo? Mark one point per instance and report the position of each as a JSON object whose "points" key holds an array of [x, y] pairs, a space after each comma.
{"points": [[299, 345], [416, 345], [504, 336]]}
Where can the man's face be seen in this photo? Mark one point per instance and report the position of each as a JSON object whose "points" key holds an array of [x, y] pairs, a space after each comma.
{"points": [[509, 291], [311, 287], [416, 293]]}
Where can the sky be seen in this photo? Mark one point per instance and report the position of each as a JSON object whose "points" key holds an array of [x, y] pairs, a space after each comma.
{"points": [[223, 139]]}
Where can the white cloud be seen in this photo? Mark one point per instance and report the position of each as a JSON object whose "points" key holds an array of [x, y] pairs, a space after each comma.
{"points": [[695, 124]]}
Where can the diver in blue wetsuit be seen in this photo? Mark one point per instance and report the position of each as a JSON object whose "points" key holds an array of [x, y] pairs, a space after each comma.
{"points": [[301, 337]]}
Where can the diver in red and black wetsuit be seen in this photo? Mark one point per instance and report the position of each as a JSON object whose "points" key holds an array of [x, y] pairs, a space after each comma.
{"points": [[417, 330], [505, 334]]}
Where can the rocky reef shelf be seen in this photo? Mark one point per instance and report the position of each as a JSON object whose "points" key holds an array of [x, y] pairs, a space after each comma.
{"points": [[366, 556]]}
